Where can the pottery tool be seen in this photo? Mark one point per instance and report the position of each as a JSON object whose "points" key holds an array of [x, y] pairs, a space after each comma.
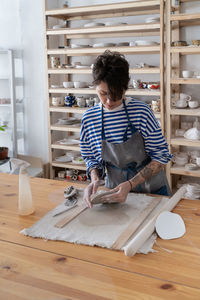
{"points": [[73, 214], [135, 223]]}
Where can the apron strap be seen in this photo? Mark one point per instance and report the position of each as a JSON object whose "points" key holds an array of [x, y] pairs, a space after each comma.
{"points": [[132, 127], [103, 137]]}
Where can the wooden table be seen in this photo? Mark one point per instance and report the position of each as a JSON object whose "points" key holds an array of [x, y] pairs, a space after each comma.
{"points": [[53, 270]]}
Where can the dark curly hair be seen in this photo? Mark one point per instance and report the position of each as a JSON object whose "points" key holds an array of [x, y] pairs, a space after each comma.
{"points": [[113, 69]]}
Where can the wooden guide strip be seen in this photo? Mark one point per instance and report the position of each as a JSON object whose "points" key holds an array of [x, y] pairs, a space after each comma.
{"points": [[123, 238], [74, 212]]}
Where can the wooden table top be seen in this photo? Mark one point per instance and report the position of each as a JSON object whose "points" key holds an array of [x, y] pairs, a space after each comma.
{"points": [[52, 270]]}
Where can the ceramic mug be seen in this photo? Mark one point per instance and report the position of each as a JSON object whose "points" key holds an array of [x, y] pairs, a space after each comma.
{"points": [[96, 101], [136, 83], [61, 174], [195, 160], [185, 97], [69, 101], [55, 62], [187, 74], [155, 105], [57, 101], [179, 132], [81, 102], [89, 102], [180, 159]]}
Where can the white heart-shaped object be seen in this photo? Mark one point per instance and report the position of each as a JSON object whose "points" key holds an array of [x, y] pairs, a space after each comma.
{"points": [[169, 226]]}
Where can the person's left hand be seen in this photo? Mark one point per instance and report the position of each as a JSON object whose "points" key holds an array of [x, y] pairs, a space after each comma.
{"points": [[119, 193]]}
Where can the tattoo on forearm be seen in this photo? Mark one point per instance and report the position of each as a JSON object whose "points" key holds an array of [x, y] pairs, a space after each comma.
{"points": [[145, 174]]}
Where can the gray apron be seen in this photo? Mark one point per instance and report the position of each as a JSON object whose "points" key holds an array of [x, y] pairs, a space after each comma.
{"points": [[123, 161]]}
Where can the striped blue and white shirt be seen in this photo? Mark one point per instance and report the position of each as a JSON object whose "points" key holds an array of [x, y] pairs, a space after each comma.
{"points": [[115, 123]]}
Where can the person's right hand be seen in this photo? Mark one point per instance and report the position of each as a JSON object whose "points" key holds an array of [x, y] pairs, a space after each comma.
{"points": [[91, 189]]}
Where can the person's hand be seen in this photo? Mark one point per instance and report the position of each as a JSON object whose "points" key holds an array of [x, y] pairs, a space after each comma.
{"points": [[120, 193], [91, 189]]}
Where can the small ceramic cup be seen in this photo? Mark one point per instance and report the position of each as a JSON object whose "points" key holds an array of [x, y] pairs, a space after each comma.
{"points": [[195, 160], [61, 174], [96, 101], [193, 103], [57, 101], [55, 62], [81, 102], [187, 74], [89, 102], [136, 83], [186, 97]]}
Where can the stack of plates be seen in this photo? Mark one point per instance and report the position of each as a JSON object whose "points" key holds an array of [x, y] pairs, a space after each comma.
{"points": [[69, 142], [193, 191]]}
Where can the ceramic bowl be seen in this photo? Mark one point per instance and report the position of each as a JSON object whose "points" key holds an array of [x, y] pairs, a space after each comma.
{"points": [[93, 24], [192, 134], [193, 104], [191, 167], [79, 46], [80, 84], [114, 23], [68, 84], [145, 43], [104, 45]]}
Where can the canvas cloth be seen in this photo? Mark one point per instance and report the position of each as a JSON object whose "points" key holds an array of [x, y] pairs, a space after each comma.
{"points": [[100, 225]]}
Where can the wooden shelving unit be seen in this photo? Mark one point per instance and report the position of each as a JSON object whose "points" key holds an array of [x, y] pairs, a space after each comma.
{"points": [[93, 12], [176, 21]]}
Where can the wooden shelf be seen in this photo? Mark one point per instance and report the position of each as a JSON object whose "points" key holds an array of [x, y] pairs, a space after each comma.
{"points": [[185, 17], [183, 171], [67, 109], [68, 165], [95, 51], [94, 12], [186, 50], [65, 147], [131, 92], [185, 81], [75, 128], [185, 142], [107, 30], [106, 10], [154, 70], [185, 112]]}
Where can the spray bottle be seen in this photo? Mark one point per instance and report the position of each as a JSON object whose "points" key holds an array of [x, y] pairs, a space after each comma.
{"points": [[25, 203]]}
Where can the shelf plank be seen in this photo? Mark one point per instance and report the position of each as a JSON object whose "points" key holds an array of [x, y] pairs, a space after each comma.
{"points": [[151, 70], [185, 17], [131, 92], [65, 147], [141, 28], [185, 81], [185, 112], [186, 50], [184, 142], [68, 165], [103, 9], [75, 128], [94, 51], [183, 171], [66, 109]]}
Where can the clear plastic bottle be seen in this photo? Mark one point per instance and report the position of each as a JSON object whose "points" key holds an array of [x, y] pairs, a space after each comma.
{"points": [[25, 203]]}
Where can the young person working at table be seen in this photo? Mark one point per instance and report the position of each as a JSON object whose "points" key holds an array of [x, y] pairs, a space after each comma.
{"points": [[121, 136]]}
